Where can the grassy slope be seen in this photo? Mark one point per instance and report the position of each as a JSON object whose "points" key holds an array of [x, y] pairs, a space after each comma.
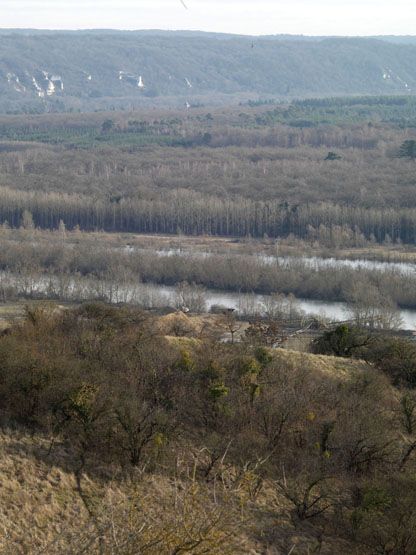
{"points": [[42, 511]]}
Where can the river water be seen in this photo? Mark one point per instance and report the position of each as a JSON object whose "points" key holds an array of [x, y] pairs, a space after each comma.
{"points": [[153, 295], [312, 262], [329, 310], [334, 311], [317, 262]]}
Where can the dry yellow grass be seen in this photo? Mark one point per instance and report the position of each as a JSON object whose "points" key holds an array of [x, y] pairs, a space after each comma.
{"points": [[179, 324], [334, 367], [41, 511], [38, 499]]}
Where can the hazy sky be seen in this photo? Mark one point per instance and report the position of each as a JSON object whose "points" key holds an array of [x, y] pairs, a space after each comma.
{"points": [[314, 17]]}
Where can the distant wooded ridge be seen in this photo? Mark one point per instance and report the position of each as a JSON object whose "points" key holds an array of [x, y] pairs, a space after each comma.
{"points": [[44, 71], [212, 34]]}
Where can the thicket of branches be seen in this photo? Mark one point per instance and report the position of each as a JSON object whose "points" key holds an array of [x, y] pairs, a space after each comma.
{"points": [[62, 263], [284, 448]]}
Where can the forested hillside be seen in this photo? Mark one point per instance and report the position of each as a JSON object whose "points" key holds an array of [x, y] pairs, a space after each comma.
{"points": [[57, 71], [339, 171]]}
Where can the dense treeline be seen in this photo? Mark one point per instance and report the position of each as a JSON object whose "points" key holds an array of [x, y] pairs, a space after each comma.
{"points": [[309, 112], [193, 213], [230, 176], [247, 128], [279, 449]]}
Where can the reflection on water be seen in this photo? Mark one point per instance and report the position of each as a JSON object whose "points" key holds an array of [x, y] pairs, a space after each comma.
{"points": [[312, 262], [334, 311], [316, 262], [77, 289]]}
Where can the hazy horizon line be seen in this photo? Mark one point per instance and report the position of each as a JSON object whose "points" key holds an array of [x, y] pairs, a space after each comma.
{"points": [[155, 29]]}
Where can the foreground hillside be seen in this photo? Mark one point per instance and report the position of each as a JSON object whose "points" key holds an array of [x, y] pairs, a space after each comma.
{"points": [[103, 69], [120, 439]]}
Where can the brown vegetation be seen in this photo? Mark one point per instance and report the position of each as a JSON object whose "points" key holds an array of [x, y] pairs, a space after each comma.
{"points": [[249, 178], [75, 267], [143, 444]]}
